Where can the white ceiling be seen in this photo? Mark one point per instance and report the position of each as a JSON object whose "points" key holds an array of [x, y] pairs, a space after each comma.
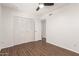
{"points": [[30, 8]]}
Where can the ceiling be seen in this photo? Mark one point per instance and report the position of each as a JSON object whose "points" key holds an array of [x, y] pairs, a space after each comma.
{"points": [[30, 8]]}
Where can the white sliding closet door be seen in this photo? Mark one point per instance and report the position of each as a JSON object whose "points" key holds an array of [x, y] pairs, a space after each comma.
{"points": [[23, 30]]}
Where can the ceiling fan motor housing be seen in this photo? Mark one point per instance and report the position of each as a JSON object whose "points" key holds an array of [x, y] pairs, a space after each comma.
{"points": [[48, 4]]}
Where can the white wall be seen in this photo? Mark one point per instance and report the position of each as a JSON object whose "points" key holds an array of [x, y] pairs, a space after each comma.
{"points": [[0, 28], [7, 23], [62, 28], [7, 27]]}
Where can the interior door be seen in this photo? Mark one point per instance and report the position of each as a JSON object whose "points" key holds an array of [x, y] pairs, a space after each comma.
{"points": [[23, 30]]}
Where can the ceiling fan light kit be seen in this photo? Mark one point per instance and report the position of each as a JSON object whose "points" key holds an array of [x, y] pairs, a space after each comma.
{"points": [[41, 5]]}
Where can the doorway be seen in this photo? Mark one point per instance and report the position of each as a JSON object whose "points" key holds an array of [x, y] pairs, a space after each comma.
{"points": [[43, 30]]}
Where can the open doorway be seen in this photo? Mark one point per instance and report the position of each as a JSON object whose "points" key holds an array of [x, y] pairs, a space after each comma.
{"points": [[43, 30]]}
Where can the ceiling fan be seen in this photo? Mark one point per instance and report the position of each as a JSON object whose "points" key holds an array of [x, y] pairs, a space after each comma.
{"points": [[41, 5]]}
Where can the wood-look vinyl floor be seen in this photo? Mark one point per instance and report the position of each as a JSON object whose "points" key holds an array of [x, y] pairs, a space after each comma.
{"points": [[37, 48]]}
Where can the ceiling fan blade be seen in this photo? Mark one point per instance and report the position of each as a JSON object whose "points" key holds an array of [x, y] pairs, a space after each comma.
{"points": [[37, 8], [44, 4], [48, 4]]}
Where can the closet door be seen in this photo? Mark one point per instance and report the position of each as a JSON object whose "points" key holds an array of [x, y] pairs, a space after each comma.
{"points": [[23, 30]]}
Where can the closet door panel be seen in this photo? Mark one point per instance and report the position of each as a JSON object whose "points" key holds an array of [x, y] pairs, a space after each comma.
{"points": [[23, 30]]}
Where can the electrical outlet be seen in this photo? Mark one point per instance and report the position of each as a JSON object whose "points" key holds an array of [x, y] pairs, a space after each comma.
{"points": [[75, 45]]}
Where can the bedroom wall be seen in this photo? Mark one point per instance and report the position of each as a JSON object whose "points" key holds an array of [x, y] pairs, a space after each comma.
{"points": [[7, 23], [0, 28], [62, 27]]}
